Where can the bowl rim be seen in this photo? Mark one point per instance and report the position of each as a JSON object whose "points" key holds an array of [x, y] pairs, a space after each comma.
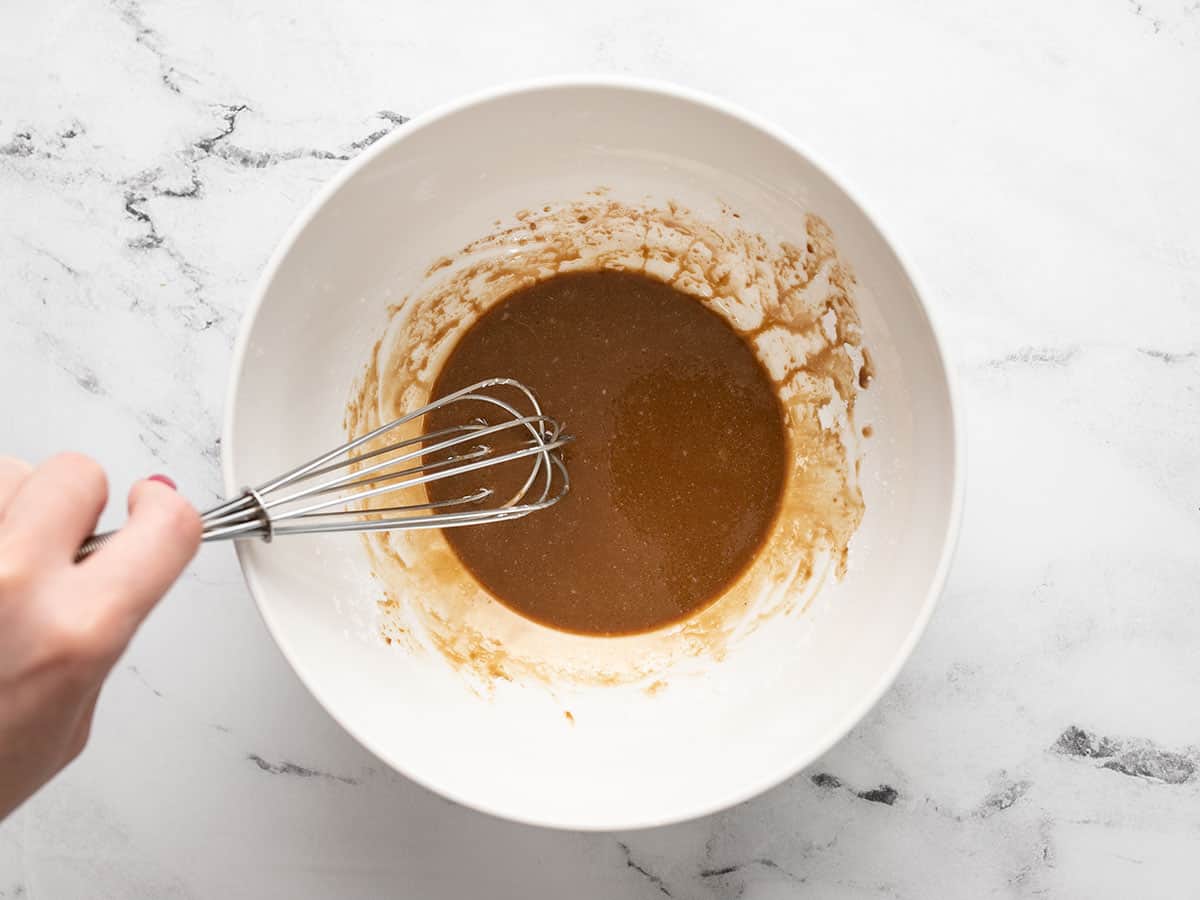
{"points": [[855, 713]]}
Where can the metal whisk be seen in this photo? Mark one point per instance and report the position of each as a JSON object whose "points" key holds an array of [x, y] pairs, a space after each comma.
{"points": [[327, 493]]}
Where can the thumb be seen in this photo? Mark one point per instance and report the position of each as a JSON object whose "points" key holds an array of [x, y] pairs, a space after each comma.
{"points": [[149, 552]]}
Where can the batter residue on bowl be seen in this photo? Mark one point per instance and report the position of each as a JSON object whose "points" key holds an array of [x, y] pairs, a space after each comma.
{"points": [[679, 459], [791, 302]]}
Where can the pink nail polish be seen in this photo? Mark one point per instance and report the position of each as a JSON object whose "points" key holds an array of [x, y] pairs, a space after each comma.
{"points": [[162, 479]]}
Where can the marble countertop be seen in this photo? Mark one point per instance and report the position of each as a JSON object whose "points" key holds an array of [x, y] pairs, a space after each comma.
{"points": [[1038, 161]]}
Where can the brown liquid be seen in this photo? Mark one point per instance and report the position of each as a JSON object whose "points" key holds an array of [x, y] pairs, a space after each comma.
{"points": [[677, 468]]}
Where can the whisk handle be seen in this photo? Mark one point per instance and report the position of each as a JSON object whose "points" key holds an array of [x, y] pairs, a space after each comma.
{"points": [[98, 540], [94, 543], [244, 516]]}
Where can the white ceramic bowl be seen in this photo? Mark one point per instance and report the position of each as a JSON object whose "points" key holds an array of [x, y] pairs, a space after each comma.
{"points": [[632, 758]]}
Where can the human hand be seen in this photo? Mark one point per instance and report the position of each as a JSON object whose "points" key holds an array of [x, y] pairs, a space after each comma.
{"points": [[64, 625]]}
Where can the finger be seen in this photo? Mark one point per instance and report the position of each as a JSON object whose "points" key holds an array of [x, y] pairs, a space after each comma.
{"points": [[12, 473], [83, 728], [148, 553], [56, 507]]}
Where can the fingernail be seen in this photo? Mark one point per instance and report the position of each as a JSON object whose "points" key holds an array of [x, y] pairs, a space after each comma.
{"points": [[162, 479]]}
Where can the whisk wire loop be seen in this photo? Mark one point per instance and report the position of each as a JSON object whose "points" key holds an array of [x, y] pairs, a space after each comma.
{"points": [[303, 500]]}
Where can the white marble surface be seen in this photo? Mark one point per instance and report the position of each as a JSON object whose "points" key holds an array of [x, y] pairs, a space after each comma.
{"points": [[1039, 161]]}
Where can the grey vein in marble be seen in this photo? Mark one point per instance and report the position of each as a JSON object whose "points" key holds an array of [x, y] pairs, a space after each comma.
{"points": [[154, 433], [392, 118], [651, 877], [62, 264], [1167, 357], [138, 189], [1132, 757], [724, 872], [290, 768], [1139, 10], [1035, 356], [70, 363], [884, 793], [21, 144], [136, 673], [219, 145], [1000, 800], [132, 14]]}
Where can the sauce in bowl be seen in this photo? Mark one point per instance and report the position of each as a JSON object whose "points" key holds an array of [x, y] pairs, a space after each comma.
{"points": [[679, 461]]}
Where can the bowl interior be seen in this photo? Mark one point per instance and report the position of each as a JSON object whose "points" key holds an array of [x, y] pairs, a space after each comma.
{"points": [[630, 757]]}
